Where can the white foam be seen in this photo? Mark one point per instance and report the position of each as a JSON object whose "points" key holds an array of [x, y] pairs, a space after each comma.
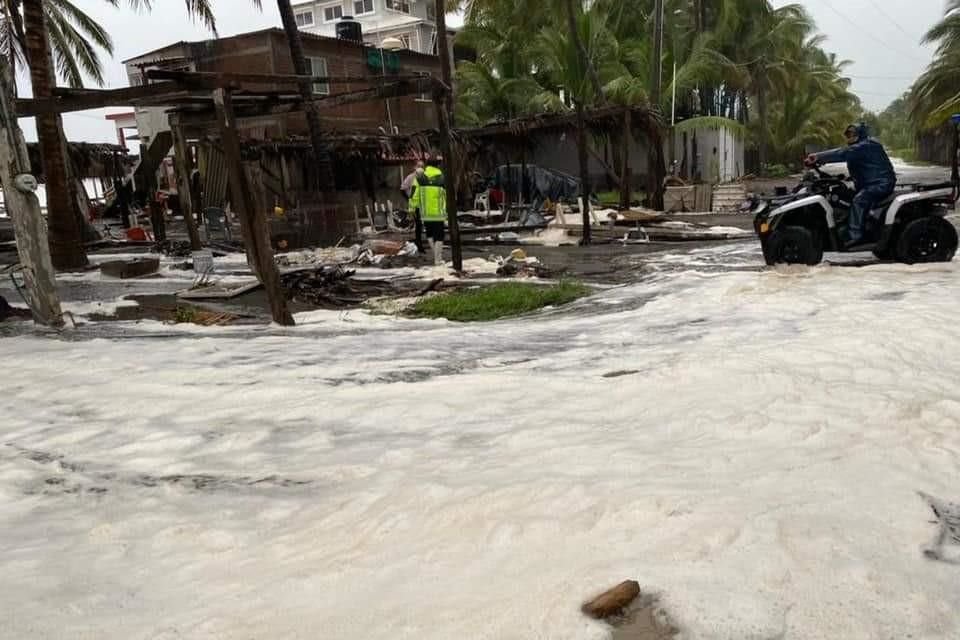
{"points": [[480, 481]]}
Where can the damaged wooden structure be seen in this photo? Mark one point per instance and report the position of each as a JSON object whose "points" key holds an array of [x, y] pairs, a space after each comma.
{"points": [[513, 142], [206, 108]]}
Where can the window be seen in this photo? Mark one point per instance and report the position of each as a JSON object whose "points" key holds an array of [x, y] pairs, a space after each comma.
{"points": [[403, 6], [431, 11], [362, 7], [318, 68], [332, 13], [406, 39], [304, 19]]}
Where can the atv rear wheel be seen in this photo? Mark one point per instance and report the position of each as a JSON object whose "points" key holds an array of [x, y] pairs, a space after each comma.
{"points": [[793, 245], [927, 239]]}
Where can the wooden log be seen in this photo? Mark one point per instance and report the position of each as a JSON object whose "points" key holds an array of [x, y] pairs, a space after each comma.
{"points": [[256, 232], [23, 207], [183, 163], [612, 601]]}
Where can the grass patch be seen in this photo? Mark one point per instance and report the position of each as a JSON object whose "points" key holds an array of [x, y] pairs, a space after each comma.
{"points": [[496, 301], [611, 199]]}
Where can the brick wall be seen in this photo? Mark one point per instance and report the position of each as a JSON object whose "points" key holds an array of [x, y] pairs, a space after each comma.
{"points": [[267, 52]]}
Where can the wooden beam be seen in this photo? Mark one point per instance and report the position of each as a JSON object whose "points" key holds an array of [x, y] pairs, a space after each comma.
{"points": [[207, 77], [69, 100], [183, 164], [267, 108], [23, 207], [256, 232]]}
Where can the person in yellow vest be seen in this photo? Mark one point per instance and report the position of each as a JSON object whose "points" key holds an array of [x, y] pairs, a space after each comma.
{"points": [[430, 196]]}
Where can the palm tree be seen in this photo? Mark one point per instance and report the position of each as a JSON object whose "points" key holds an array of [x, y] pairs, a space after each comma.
{"points": [[936, 94]]}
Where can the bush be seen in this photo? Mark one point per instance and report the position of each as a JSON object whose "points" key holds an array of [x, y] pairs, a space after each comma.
{"points": [[777, 171], [497, 301]]}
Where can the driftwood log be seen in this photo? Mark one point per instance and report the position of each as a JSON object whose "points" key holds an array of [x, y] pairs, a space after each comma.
{"points": [[612, 601]]}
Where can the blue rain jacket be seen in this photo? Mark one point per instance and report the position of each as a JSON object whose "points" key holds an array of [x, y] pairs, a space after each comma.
{"points": [[867, 162]]}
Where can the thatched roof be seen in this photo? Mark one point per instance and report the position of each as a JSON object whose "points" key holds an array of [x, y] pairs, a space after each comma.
{"points": [[344, 145], [603, 121]]}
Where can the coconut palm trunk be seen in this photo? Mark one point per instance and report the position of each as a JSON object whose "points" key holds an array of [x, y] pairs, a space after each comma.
{"points": [[581, 125], [66, 244], [324, 164]]}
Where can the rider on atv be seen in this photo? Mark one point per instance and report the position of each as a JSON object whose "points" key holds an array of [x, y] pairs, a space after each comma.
{"points": [[871, 171]]}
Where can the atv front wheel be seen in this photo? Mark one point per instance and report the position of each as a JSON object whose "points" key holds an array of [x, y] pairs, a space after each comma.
{"points": [[928, 239], [793, 245]]}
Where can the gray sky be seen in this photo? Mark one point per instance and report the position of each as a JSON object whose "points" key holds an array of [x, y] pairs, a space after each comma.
{"points": [[880, 37]]}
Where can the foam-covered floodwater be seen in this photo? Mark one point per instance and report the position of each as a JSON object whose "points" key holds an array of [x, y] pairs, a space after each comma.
{"points": [[745, 442]]}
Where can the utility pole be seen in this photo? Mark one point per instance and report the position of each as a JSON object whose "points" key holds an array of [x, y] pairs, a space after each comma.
{"points": [[657, 80], [20, 198], [445, 111]]}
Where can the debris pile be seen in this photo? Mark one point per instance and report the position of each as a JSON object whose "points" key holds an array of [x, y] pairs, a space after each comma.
{"points": [[173, 248], [518, 264]]}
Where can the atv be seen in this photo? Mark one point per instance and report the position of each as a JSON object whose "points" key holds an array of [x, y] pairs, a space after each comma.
{"points": [[910, 226]]}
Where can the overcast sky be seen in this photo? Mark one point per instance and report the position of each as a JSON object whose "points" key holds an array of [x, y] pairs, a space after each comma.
{"points": [[880, 37]]}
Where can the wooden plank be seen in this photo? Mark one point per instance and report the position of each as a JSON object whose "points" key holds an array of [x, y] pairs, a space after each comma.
{"points": [[244, 200], [69, 100], [272, 79], [183, 165], [23, 207]]}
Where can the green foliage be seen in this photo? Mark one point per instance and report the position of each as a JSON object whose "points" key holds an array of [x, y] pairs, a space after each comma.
{"points": [[497, 301], [742, 60], [777, 171], [936, 94], [185, 315], [76, 39]]}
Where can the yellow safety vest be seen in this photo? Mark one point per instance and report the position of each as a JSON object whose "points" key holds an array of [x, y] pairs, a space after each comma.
{"points": [[431, 196]]}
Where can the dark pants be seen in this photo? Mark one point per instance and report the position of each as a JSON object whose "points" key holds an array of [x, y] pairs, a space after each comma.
{"points": [[865, 200], [418, 226]]}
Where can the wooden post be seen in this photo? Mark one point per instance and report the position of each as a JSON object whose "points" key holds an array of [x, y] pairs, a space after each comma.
{"points": [[445, 111], [625, 187], [256, 232], [183, 164], [23, 207]]}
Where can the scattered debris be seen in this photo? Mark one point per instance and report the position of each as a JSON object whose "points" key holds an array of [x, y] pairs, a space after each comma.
{"points": [[332, 287], [518, 264], [173, 248], [133, 268], [192, 315], [613, 601], [217, 291], [7, 312], [948, 521]]}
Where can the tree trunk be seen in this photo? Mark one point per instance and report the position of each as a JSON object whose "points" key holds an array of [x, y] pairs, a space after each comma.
{"points": [[23, 207], [321, 154], [657, 58], [66, 244], [585, 60], [446, 123], [762, 112], [625, 186], [584, 172]]}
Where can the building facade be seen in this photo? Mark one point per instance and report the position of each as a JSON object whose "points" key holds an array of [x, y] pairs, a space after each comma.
{"points": [[267, 52], [412, 22]]}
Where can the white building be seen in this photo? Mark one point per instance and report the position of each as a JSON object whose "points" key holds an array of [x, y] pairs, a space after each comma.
{"points": [[412, 22]]}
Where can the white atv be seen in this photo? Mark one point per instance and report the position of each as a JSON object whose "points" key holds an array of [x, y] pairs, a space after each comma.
{"points": [[909, 226]]}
